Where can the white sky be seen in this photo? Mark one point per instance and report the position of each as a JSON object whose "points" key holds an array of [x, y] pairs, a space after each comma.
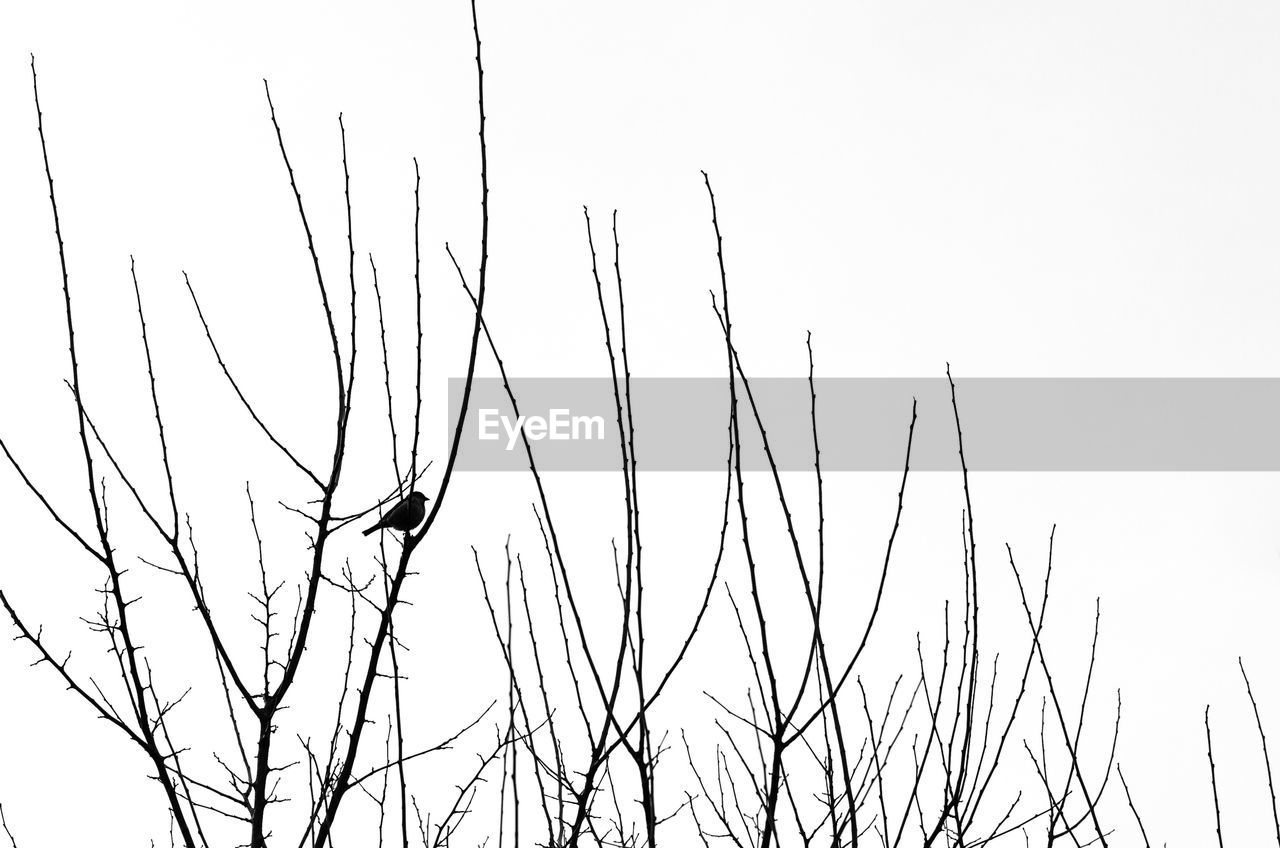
{"points": [[1021, 189]]}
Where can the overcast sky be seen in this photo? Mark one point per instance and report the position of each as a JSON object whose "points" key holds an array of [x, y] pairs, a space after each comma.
{"points": [[1018, 188]]}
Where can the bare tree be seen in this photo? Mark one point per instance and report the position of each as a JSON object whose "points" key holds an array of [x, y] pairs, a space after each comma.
{"points": [[255, 697], [809, 749]]}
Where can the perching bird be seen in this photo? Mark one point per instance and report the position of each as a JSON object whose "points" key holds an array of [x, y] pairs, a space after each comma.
{"points": [[404, 516]]}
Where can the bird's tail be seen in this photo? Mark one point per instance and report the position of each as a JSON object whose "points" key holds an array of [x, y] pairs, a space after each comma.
{"points": [[374, 529]]}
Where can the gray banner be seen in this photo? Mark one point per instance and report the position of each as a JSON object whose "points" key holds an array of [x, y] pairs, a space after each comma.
{"points": [[1070, 424]]}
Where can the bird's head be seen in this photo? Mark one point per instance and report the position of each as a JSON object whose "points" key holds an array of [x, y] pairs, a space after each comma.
{"points": [[418, 497]]}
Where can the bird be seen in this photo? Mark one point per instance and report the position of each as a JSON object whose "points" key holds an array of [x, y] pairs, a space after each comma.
{"points": [[404, 516]]}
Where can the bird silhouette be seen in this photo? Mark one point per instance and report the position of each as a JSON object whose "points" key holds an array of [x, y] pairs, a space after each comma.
{"points": [[404, 516]]}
